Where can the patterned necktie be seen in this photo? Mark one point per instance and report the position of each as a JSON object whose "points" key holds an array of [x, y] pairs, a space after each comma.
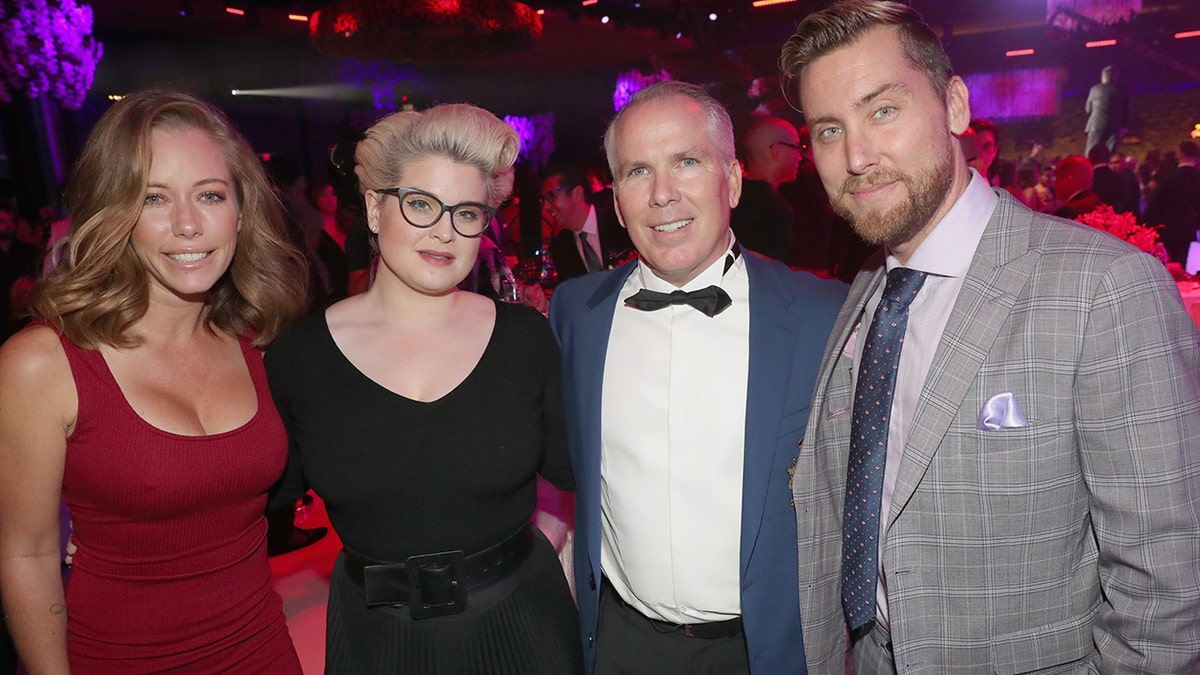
{"points": [[873, 394], [590, 260]]}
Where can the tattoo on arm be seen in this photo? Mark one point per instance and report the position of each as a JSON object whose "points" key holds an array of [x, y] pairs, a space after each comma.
{"points": [[58, 608]]}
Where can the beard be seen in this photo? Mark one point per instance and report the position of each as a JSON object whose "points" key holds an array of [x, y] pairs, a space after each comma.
{"points": [[927, 191]]}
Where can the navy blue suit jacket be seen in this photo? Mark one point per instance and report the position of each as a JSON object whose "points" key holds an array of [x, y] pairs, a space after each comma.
{"points": [[791, 315]]}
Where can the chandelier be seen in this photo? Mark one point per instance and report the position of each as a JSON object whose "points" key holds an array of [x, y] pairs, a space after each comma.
{"points": [[1064, 13], [424, 30]]}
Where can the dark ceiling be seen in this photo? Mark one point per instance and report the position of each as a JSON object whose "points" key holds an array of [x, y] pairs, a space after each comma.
{"points": [[642, 34], [571, 70]]}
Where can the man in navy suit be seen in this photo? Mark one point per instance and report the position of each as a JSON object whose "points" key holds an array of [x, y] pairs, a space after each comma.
{"points": [[687, 378]]}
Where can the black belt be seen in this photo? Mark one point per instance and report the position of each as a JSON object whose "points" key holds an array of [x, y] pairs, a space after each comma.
{"points": [[436, 584], [704, 631]]}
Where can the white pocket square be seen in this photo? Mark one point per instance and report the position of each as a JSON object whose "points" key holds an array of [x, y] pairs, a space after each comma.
{"points": [[1001, 412]]}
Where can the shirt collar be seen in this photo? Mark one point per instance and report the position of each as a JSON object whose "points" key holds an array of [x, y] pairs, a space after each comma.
{"points": [[590, 224], [949, 247], [713, 275]]}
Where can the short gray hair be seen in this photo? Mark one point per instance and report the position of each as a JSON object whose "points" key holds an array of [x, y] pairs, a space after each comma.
{"points": [[719, 127]]}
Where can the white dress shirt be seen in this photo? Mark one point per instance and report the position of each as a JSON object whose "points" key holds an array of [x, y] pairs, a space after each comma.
{"points": [[945, 255], [673, 419]]}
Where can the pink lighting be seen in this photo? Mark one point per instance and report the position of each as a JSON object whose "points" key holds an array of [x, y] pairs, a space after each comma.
{"points": [[1187, 34], [298, 17], [589, 3], [768, 3], [1018, 52], [235, 11], [1016, 94], [1099, 43]]}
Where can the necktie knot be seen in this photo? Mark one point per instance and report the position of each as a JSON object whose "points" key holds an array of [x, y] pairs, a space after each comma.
{"points": [[711, 300], [902, 287]]}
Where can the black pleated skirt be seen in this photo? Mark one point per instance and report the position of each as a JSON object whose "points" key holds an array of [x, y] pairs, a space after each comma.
{"points": [[526, 624]]}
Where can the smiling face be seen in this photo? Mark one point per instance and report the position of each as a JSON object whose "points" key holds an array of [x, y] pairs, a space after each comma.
{"points": [[186, 233], [882, 140], [433, 260], [565, 208], [673, 193]]}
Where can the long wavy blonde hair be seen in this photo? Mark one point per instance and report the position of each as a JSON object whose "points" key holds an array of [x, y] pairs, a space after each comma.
{"points": [[102, 289]]}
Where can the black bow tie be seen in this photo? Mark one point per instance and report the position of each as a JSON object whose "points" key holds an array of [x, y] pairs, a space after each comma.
{"points": [[711, 300]]}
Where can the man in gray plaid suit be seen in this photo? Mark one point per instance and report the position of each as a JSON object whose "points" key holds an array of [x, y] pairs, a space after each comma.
{"points": [[1039, 503]]}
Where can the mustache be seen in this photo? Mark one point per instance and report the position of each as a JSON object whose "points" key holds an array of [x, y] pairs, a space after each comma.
{"points": [[870, 180]]}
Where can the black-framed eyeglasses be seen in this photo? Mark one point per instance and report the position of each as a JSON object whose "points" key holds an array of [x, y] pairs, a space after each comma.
{"points": [[552, 194], [421, 209], [795, 146]]}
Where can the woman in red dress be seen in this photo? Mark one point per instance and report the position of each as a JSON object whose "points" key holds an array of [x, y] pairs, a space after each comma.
{"points": [[139, 395]]}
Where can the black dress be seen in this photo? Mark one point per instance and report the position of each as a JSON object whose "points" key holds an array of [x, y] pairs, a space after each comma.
{"points": [[401, 477]]}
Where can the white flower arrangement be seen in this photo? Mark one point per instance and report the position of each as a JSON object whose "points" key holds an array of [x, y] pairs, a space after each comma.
{"points": [[46, 47]]}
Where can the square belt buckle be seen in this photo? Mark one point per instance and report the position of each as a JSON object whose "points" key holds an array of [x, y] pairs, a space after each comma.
{"points": [[434, 584]]}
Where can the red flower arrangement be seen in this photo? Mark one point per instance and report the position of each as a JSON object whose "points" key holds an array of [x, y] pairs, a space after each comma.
{"points": [[1124, 226]]}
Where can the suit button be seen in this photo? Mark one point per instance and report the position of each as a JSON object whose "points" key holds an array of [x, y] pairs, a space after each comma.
{"points": [[592, 581]]}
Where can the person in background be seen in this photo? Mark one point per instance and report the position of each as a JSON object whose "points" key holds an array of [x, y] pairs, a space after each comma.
{"points": [[1131, 187], [588, 234], [422, 414], [139, 396], [1108, 110], [1073, 188], [987, 138], [1175, 202], [999, 473], [683, 418], [1108, 185], [1029, 179], [18, 258], [771, 155], [331, 242]]}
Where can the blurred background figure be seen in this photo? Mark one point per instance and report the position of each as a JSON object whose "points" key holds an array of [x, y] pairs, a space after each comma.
{"points": [[1175, 202], [1108, 111], [771, 153]]}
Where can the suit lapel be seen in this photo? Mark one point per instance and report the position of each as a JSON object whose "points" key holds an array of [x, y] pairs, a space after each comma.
{"points": [[998, 272], [866, 280], [593, 330], [774, 329]]}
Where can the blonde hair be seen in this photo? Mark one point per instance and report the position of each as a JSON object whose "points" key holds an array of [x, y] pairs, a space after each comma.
{"points": [[102, 289], [458, 132]]}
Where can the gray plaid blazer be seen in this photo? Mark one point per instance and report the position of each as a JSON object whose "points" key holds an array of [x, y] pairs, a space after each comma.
{"points": [[1071, 544]]}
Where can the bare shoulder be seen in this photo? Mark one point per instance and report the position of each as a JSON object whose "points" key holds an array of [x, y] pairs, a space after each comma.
{"points": [[35, 373], [34, 351]]}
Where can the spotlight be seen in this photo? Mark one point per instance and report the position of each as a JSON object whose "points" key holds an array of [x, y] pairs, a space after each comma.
{"points": [[712, 16], [185, 8], [604, 19]]}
